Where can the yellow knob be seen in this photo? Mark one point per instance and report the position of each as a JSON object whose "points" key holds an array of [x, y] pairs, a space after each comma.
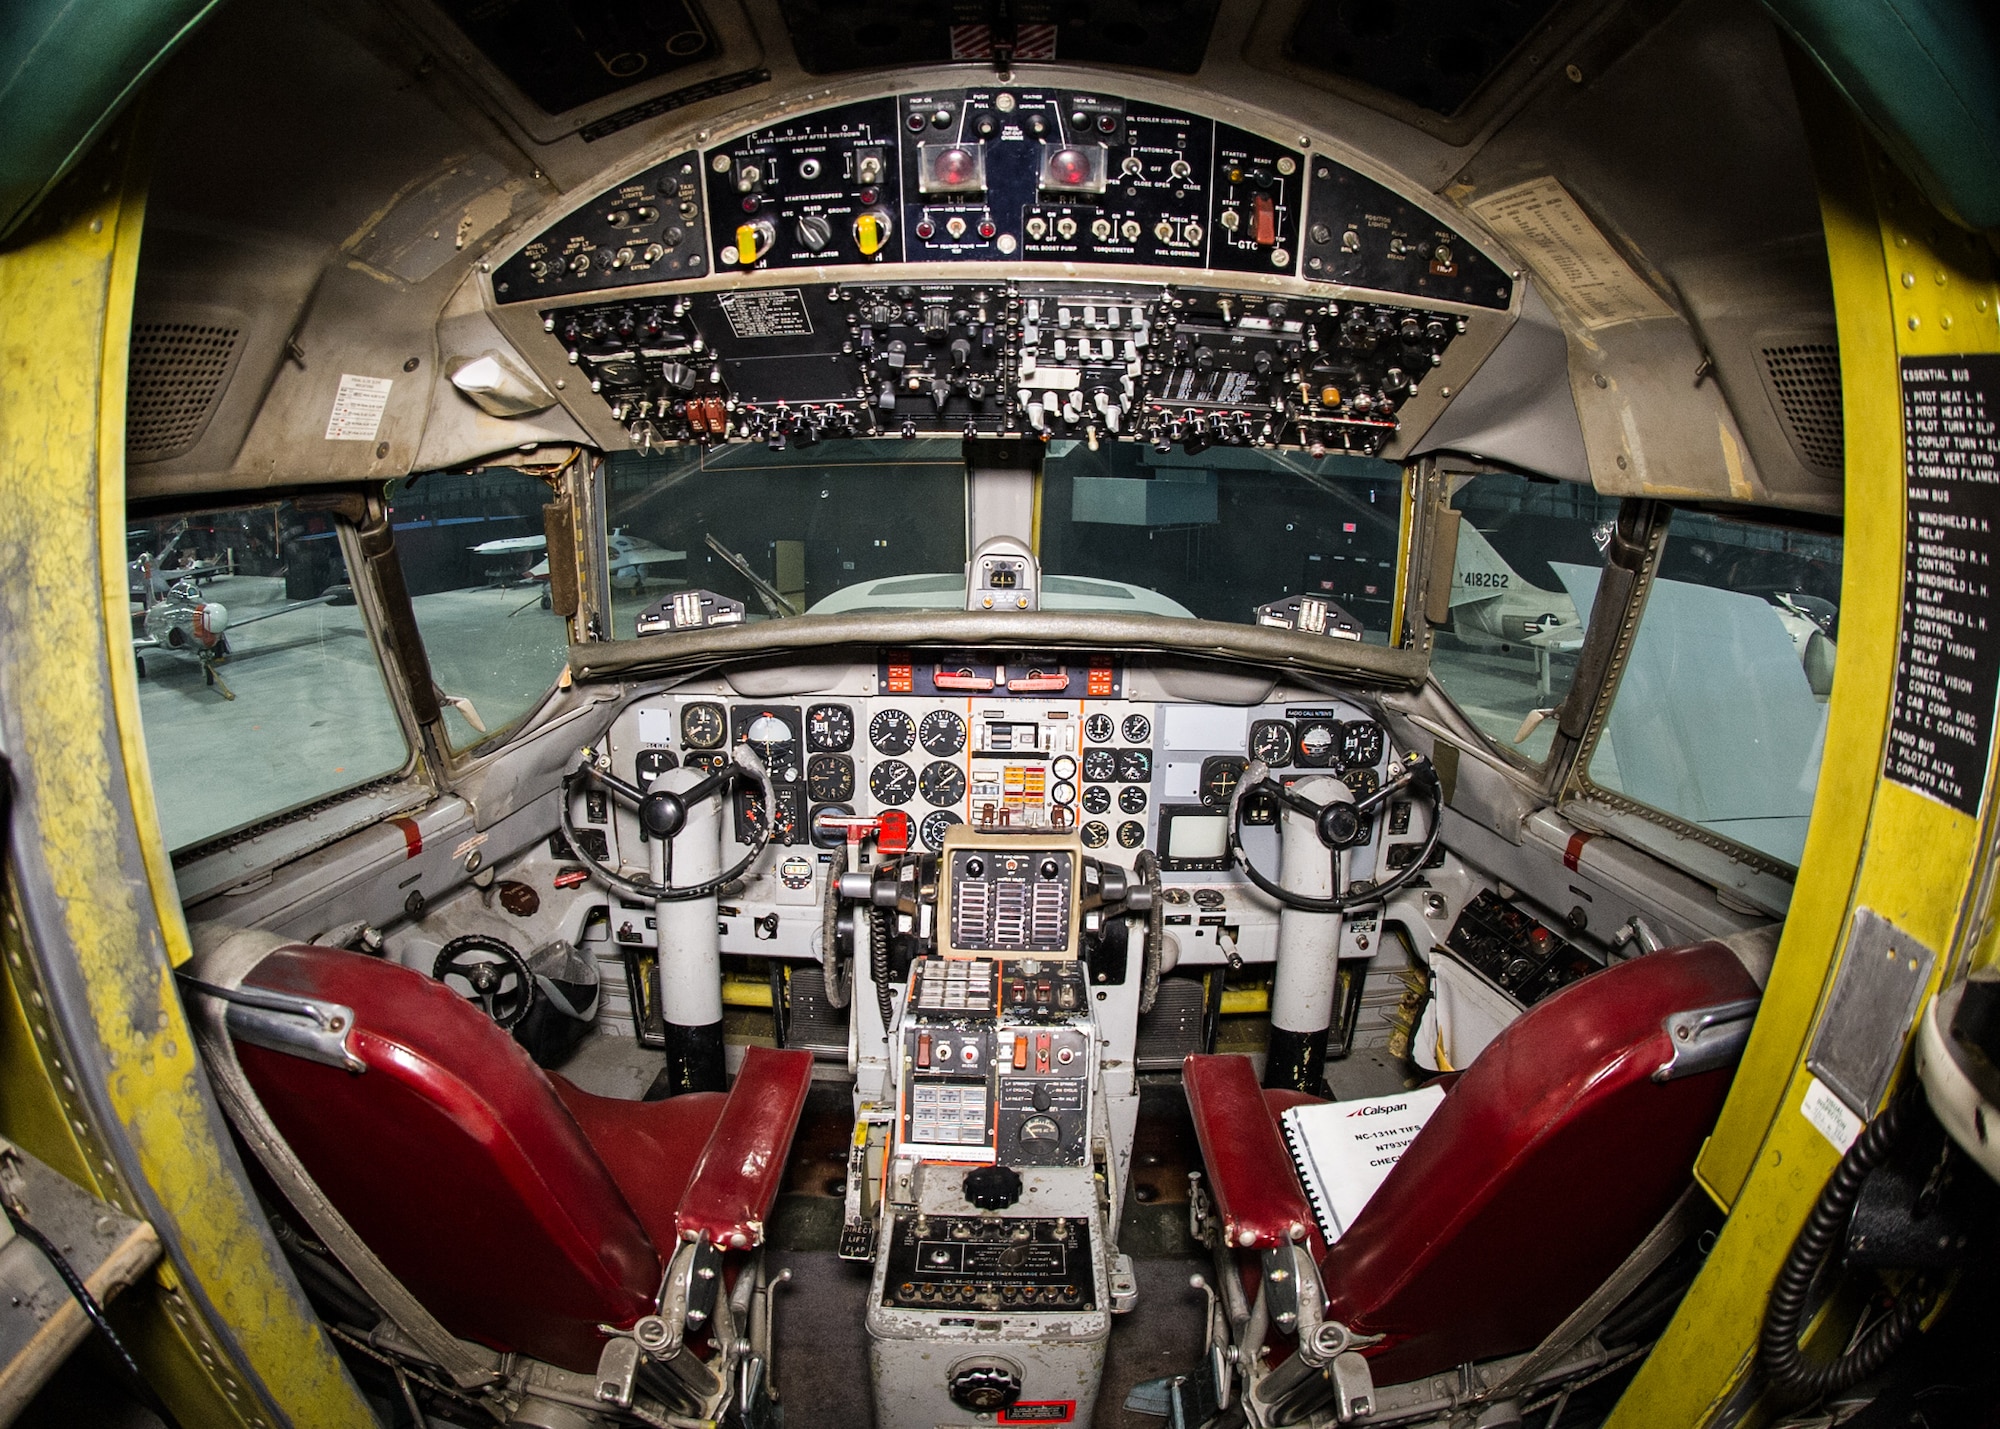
{"points": [[747, 250], [871, 231]]}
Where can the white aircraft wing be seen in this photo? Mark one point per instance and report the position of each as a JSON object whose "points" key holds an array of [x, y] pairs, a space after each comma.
{"points": [[509, 545], [645, 558]]}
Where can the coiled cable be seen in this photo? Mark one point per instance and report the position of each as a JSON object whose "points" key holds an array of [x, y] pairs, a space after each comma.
{"points": [[878, 962], [1792, 1377]]}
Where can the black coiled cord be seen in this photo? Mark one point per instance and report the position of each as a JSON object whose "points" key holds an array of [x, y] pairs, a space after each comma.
{"points": [[92, 1311], [1792, 1377], [1147, 866], [878, 962]]}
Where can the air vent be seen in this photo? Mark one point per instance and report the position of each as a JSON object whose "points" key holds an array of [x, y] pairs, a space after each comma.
{"points": [[178, 373], [1803, 380]]}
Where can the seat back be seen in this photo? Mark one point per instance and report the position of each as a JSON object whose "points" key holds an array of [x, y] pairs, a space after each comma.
{"points": [[453, 1159], [1551, 1158]]}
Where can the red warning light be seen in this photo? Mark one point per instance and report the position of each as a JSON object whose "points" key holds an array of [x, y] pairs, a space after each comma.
{"points": [[957, 167], [1069, 168]]}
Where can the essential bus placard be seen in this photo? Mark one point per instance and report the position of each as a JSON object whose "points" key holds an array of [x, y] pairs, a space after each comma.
{"points": [[1948, 654]]}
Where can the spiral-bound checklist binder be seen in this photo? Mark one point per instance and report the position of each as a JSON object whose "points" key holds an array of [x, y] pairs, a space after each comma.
{"points": [[1345, 1150]]}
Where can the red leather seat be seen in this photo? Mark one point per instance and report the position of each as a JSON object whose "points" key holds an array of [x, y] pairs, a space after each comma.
{"points": [[519, 1209], [1548, 1161]]}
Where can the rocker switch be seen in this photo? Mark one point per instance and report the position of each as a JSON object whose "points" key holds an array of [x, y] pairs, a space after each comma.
{"points": [[923, 1049]]}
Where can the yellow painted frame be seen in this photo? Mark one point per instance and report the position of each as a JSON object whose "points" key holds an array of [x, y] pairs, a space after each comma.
{"points": [[222, 1329], [1905, 283]]}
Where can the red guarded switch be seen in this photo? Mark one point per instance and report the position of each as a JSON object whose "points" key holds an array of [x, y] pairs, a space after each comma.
{"points": [[1264, 220]]}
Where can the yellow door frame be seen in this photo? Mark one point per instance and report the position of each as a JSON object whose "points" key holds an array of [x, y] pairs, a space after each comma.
{"points": [[1906, 283], [98, 1074]]}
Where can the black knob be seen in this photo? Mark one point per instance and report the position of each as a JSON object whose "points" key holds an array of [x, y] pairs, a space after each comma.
{"points": [[975, 867], [985, 1388], [1049, 868], [1042, 1098], [992, 1188]]}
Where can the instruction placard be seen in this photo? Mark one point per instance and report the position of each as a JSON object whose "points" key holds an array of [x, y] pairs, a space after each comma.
{"points": [[1575, 261], [773, 312], [1948, 655], [358, 405]]}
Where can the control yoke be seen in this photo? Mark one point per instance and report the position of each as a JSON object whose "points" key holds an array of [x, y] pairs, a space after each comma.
{"points": [[1338, 823], [663, 813]]}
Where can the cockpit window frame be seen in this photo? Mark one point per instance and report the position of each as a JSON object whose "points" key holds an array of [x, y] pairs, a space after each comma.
{"points": [[1700, 851], [418, 776]]}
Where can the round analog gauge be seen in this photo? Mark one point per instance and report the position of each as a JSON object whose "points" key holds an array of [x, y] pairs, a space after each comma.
{"points": [[1137, 729], [1360, 782], [702, 726], [1319, 742], [892, 782], [1132, 798], [1360, 744], [830, 777], [942, 733], [830, 728], [1098, 729], [1135, 766], [941, 783], [1271, 741], [1100, 766], [1131, 834], [750, 814], [931, 830], [1064, 793], [650, 764], [1095, 835], [892, 732], [837, 837], [1219, 775], [1063, 766], [706, 763], [1096, 799], [1176, 896], [774, 739], [1209, 898]]}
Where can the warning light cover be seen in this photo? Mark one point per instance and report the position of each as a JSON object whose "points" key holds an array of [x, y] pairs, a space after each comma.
{"points": [[951, 168], [1074, 168]]}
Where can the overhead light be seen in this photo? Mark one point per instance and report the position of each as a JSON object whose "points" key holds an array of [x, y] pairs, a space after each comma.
{"points": [[498, 384]]}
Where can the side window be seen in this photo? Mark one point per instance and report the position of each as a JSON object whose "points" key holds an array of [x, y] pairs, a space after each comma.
{"points": [[477, 566], [1720, 714], [259, 688], [1521, 584]]}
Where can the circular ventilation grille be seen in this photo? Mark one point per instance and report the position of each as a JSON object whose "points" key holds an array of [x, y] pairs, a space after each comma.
{"points": [[1803, 379], [177, 374]]}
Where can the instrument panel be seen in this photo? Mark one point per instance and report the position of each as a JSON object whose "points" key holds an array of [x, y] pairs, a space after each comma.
{"points": [[1079, 745]]}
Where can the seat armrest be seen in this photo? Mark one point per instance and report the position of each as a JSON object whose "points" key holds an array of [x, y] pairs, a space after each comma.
{"points": [[1250, 1172], [734, 1184]]}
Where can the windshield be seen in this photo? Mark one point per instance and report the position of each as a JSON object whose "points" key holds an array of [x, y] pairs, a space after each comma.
{"points": [[1218, 533], [878, 528], [781, 531]]}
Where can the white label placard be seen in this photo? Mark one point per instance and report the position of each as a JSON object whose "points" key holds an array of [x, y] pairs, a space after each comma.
{"points": [[1829, 1115], [656, 726], [357, 408], [1553, 236]]}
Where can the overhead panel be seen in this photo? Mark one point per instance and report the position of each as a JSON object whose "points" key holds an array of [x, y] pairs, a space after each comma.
{"points": [[1006, 258]]}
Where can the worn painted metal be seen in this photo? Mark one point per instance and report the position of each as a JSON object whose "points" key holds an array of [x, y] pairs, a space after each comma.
{"points": [[1906, 282], [93, 923]]}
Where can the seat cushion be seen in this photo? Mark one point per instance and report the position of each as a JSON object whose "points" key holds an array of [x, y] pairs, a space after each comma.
{"points": [[650, 1148], [1552, 1157], [455, 1160]]}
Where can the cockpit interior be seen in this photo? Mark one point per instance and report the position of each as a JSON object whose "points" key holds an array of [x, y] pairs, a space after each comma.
{"points": [[998, 713]]}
